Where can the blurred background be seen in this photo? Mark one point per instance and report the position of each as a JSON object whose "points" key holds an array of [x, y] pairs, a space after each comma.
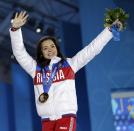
{"points": [[105, 87]]}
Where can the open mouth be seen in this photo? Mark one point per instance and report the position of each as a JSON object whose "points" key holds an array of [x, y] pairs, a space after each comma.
{"points": [[50, 54]]}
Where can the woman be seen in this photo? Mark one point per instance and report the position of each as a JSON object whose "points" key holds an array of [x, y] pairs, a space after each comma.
{"points": [[53, 75]]}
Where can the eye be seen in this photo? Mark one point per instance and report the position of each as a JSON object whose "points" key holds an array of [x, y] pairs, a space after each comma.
{"points": [[53, 46], [44, 48]]}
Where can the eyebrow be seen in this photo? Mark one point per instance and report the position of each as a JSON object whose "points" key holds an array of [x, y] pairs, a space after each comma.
{"points": [[48, 46]]}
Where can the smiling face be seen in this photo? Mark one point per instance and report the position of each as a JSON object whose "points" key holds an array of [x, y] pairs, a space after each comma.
{"points": [[48, 49]]}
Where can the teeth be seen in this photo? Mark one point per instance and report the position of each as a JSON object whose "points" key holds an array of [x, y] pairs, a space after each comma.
{"points": [[50, 54]]}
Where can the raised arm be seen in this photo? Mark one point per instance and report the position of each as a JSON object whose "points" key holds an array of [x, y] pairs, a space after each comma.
{"points": [[19, 51], [91, 50]]}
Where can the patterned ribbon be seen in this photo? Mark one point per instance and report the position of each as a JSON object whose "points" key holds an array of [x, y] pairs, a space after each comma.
{"points": [[115, 32], [47, 84]]}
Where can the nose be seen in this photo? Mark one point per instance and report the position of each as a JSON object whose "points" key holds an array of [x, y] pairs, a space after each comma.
{"points": [[49, 50]]}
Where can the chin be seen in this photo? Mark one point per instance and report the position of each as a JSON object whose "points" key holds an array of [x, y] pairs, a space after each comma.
{"points": [[50, 57]]}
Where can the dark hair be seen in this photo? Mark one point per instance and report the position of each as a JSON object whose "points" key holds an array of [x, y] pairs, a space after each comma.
{"points": [[41, 61]]}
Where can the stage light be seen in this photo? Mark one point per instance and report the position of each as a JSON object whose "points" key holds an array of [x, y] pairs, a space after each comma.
{"points": [[118, 128], [40, 27], [38, 30]]}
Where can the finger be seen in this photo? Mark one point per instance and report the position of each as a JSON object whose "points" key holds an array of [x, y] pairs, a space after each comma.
{"points": [[24, 13], [120, 26], [16, 15], [21, 14], [116, 21], [25, 17]]}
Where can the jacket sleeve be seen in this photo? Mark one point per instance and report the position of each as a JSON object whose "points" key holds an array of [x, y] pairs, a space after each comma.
{"points": [[91, 50], [20, 53]]}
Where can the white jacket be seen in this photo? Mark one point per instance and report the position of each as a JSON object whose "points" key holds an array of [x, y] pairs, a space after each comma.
{"points": [[62, 94]]}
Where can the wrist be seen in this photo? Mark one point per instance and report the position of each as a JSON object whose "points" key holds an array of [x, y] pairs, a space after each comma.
{"points": [[109, 28], [14, 28]]}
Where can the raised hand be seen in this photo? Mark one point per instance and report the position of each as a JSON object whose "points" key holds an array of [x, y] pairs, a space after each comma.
{"points": [[20, 19], [118, 24]]}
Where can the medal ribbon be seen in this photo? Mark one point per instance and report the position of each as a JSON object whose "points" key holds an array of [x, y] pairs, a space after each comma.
{"points": [[47, 85]]}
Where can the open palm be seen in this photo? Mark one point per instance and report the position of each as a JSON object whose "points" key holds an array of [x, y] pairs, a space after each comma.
{"points": [[20, 19]]}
